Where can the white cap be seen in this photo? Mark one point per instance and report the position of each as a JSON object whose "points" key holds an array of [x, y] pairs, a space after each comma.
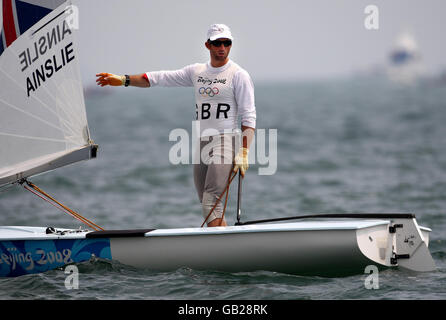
{"points": [[217, 31]]}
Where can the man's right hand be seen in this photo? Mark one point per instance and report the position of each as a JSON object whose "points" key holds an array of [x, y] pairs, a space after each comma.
{"points": [[109, 79]]}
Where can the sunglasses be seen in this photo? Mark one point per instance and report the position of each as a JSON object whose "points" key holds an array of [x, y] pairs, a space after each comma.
{"points": [[218, 43]]}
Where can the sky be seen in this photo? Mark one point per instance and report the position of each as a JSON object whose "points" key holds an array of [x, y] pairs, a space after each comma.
{"points": [[273, 40]]}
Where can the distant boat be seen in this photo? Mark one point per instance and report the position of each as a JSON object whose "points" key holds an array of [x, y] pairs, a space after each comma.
{"points": [[405, 63]]}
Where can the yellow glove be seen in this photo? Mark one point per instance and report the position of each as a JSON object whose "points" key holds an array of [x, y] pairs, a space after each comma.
{"points": [[110, 79], [241, 161]]}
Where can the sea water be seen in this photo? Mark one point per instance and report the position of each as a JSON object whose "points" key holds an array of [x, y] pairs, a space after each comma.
{"points": [[343, 146]]}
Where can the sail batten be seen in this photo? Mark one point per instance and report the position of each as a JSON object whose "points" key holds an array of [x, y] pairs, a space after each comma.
{"points": [[31, 137], [43, 122], [28, 114]]}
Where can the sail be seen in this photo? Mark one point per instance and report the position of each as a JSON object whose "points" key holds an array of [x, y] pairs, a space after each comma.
{"points": [[43, 121]]}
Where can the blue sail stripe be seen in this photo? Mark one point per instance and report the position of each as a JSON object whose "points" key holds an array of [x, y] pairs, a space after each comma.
{"points": [[1, 44], [29, 14]]}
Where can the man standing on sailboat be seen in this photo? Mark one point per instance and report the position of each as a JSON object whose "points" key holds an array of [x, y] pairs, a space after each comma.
{"points": [[223, 92]]}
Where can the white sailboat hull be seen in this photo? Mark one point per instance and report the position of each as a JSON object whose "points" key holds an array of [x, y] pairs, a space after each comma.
{"points": [[292, 251], [325, 248]]}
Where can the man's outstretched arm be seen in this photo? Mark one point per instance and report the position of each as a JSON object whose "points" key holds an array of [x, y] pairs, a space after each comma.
{"points": [[110, 79]]}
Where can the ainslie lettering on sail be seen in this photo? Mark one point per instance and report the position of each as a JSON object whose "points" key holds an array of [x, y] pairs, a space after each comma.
{"points": [[46, 44]]}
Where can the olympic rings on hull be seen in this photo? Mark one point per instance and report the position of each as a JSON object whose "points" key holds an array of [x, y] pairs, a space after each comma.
{"points": [[208, 91]]}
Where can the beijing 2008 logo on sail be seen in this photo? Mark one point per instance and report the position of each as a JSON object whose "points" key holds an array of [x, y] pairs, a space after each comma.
{"points": [[208, 91]]}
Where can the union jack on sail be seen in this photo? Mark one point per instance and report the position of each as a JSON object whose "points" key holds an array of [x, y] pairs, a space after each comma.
{"points": [[20, 15]]}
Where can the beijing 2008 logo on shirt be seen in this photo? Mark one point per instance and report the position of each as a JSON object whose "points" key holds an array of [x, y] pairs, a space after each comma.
{"points": [[207, 81], [208, 91]]}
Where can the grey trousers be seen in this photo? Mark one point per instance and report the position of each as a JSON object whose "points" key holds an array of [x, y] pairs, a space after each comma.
{"points": [[212, 174]]}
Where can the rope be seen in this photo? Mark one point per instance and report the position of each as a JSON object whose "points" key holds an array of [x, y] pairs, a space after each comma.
{"points": [[60, 206], [231, 177], [226, 202]]}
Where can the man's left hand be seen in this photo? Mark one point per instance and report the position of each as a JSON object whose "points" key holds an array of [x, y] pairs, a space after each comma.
{"points": [[241, 161]]}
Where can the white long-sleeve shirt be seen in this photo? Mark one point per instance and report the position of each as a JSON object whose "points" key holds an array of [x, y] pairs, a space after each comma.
{"points": [[222, 94]]}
